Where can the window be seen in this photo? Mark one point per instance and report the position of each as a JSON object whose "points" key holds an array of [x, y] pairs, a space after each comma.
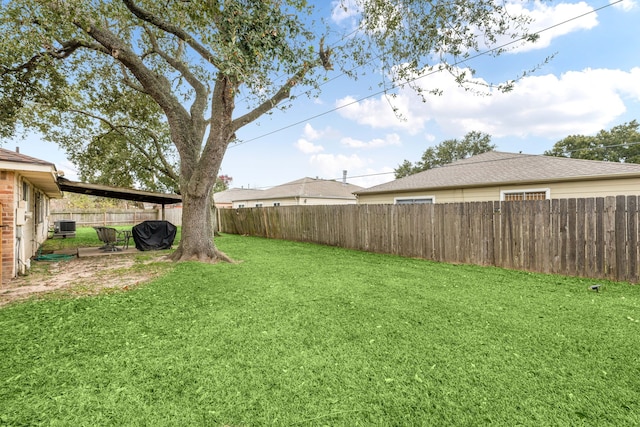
{"points": [[39, 207], [258, 205], [241, 205], [25, 191], [415, 200], [537, 194], [276, 203]]}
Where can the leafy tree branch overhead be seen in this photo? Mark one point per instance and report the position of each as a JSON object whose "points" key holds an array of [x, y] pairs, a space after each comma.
{"points": [[152, 86]]}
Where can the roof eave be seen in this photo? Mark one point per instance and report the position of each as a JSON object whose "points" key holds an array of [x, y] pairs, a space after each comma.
{"points": [[118, 192], [42, 176], [501, 183]]}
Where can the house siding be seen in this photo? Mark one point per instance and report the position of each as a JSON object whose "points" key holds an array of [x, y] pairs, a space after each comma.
{"points": [[35, 228], [558, 190], [7, 194], [251, 203], [293, 201], [326, 201]]}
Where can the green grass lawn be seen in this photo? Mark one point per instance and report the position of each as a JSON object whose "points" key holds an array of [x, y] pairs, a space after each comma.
{"points": [[305, 335]]}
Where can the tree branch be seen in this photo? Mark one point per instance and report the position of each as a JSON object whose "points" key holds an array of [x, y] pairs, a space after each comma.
{"points": [[172, 29], [155, 85], [67, 48], [324, 60], [166, 168], [130, 83], [200, 103], [266, 106]]}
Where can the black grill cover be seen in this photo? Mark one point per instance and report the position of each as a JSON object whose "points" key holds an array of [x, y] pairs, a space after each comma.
{"points": [[153, 235]]}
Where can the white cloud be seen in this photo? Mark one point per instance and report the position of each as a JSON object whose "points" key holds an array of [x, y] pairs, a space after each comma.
{"points": [[547, 17], [308, 147], [390, 139], [344, 9], [310, 133], [370, 177], [624, 5], [576, 102], [331, 166], [379, 114]]}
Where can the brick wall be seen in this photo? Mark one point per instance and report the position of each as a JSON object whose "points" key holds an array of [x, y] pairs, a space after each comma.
{"points": [[7, 194]]}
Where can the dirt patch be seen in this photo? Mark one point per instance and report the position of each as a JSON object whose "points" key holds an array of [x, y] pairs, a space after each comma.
{"points": [[81, 276]]}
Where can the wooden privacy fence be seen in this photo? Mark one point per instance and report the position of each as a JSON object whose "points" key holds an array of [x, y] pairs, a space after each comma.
{"points": [[595, 237], [97, 217], [91, 217]]}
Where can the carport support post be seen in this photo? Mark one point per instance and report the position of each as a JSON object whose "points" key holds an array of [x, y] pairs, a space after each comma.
{"points": [[163, 212]]}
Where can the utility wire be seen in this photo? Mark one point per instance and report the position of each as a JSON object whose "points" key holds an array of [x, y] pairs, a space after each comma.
{"points": [[626, 144], [515, 155], [396, 85]]}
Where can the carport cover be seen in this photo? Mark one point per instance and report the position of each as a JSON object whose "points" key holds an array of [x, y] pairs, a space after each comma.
{"points": [[153, 235]]}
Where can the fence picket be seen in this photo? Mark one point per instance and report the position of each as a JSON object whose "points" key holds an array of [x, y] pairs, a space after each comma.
{"points": [[595, 237]]}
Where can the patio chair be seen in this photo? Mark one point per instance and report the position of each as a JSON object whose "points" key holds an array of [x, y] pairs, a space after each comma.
{"points": [[100, 233], [112, 238]]}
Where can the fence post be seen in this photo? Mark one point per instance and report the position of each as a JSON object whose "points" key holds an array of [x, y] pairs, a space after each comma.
{"points": [[595, 237], [621, 239], [632, 239]]}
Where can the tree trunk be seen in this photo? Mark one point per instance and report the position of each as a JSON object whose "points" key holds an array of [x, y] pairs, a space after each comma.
{"points": [[196, 243], [199, 170]]}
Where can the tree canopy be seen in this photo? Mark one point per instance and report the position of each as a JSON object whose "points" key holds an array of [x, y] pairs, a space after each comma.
{"points": [[447, 151], [620, 144], [153, 85]]}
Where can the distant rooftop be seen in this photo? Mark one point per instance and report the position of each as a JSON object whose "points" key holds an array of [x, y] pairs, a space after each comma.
{"points": [[228, 196], [304, 187], [497, 167]]}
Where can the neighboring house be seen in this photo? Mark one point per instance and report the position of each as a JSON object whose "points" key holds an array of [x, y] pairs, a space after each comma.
{"points": [[27, 184], [496, 176], [224, 199], [305, 191]]}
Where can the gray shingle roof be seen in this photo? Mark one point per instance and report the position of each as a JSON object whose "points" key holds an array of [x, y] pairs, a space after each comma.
{"points": [[228, 196], [12, 156], [306, 187], [496, 167]]}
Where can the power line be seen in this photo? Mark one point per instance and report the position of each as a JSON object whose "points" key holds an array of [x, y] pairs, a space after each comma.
{"points": [[396, 85], [626, 144], [515, 155]]}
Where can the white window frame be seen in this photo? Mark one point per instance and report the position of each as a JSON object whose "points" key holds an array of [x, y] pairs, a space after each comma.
{"points": [[547, 192], [26, 191], [405, 200]]}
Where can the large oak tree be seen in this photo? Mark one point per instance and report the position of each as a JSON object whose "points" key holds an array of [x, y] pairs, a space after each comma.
{"points": [[157, 81]]}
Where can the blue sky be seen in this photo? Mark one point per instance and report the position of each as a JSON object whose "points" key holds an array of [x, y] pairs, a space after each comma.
{"points": [[592, 83]]}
